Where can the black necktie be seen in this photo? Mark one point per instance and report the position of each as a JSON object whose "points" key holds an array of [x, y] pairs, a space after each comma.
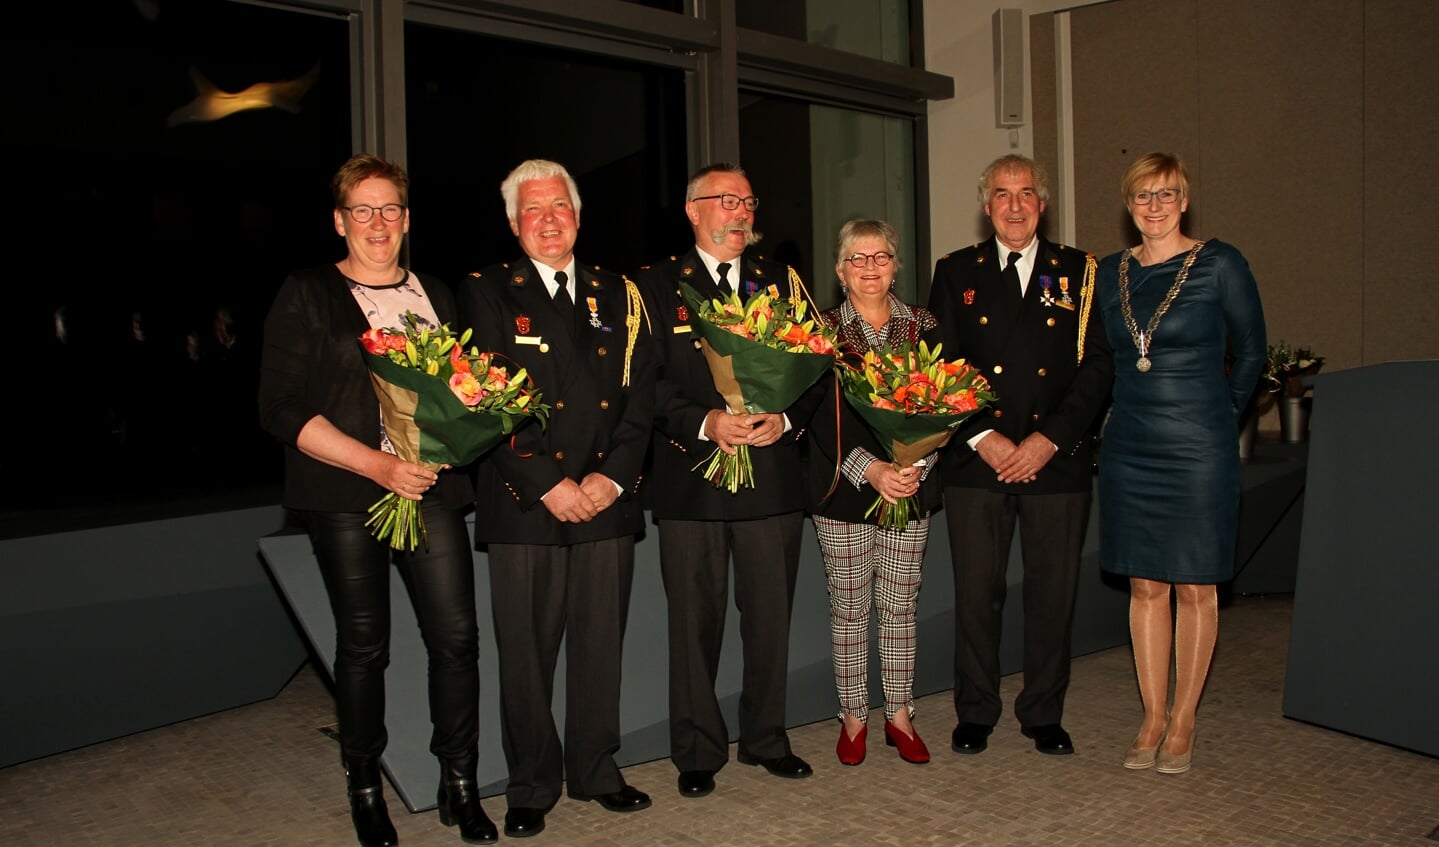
{"points": [[1011, 276], [562, 293], [724, 285]]}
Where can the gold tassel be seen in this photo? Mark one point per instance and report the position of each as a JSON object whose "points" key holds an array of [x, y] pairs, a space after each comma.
{"points": [[1086, 300], [796, 289], [635, 308]]}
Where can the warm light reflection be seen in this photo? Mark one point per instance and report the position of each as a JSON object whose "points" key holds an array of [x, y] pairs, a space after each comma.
{"points": [[212, 104]]}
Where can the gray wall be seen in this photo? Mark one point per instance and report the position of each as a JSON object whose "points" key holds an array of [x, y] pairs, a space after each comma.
{"points": [[1363, 654], [1311, 128], [110, 631]]}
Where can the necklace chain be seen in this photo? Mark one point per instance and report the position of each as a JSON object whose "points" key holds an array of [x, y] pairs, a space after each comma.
{"points": [[1143, 339]]}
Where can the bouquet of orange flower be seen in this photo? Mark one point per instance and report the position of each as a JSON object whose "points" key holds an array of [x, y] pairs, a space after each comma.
{"points": [[913, 400], [763, 354], [441, 406]]}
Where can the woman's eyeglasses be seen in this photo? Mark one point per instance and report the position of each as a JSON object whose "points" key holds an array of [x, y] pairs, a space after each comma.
{"points": [[859, 260], [362, 214]]}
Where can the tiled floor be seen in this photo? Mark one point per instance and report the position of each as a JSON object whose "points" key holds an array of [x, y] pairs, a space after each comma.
{"points": [[263, 775]]}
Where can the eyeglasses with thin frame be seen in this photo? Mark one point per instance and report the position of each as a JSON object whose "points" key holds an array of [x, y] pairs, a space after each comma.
{"points": [[859, 260], [362, 214], [1165, 196], [732, 201]]}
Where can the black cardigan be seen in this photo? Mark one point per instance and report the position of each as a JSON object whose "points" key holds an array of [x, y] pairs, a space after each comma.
{"points": [[311, 365]]}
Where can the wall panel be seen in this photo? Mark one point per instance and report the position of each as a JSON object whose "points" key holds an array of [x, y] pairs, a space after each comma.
{"points": [[1043, 111], [1312, 130], [1281, 150], [1136, 74], [1401, 207]]}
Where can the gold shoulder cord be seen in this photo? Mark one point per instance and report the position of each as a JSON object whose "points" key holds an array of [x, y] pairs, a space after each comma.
{"points": [[635, 308], [1086, 299], [796, 289]]}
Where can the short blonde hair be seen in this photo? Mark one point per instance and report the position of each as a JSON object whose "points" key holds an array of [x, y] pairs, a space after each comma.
{"points": [[1151, 167], [364, 166]]}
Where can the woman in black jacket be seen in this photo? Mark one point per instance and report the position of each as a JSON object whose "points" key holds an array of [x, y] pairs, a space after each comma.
{"points": [[866, 565], [316, 397]]}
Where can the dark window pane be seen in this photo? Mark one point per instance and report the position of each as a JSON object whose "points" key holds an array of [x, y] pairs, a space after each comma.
{"points": [[664, 5], [833, 165], [160, 219], [478, 106], [878, 29]]}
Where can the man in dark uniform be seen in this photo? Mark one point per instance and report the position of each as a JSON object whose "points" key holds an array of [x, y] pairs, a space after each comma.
{"points": [[701, 527], [1019, 308], [557, 504]]}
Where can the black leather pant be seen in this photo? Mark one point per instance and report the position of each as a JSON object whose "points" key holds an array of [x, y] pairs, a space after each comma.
{"points": [[441, 584]]}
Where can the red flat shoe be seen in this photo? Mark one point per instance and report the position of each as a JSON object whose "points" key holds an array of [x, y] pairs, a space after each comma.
{"points": [[851, 750], [910, 747]]}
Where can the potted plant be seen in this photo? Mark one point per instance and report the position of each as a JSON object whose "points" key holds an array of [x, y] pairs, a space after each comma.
{"points": [[1285, 369]]}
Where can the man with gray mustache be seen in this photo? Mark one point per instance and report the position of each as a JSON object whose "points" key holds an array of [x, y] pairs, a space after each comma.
{"points": [[702, 527]]}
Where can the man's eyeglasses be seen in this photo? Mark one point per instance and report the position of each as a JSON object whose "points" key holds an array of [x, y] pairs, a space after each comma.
{"points": [[1164, 195], [859, 260], [361, 214], [732, 201]]}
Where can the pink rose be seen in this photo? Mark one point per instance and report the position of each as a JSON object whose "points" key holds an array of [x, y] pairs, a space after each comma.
{"points": [[467, 388]]}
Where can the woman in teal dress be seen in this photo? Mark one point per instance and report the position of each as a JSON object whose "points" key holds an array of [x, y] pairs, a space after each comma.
{"points": [[1169, 476]]}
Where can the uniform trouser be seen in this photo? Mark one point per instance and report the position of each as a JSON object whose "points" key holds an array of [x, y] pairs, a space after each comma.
{"points": [[981, 527], [441, 584], [542, 594], [694, 559]]}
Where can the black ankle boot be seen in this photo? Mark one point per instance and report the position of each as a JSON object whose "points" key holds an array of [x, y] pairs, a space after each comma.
{"points": [[367, 804], [459, 801]]}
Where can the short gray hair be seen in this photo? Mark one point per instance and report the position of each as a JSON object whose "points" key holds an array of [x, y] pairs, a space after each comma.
{"points": [[858, 228], [717, 168], [532, 169], [1014, 162]]}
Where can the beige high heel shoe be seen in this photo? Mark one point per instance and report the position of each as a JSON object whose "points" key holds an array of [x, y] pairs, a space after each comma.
{"points": [[1168, 762], [1138, 758]]}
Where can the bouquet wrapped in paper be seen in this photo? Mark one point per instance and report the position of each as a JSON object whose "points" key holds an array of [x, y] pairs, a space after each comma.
{"points": [[762, 354], [913, 400], [440, 405]]}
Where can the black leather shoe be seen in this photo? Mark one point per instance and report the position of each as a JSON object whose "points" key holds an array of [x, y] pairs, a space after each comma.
{"points": [[522, 823], [367, 804], [696, 783], [788, 766], [970, 738], [627, 799], [1050, 738]]}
